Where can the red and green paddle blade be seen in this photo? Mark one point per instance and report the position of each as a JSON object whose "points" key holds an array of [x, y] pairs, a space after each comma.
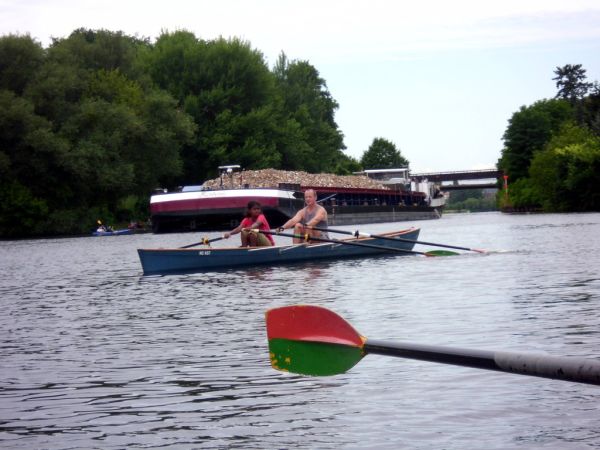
{"points": [[441, 253], [312, 340]]}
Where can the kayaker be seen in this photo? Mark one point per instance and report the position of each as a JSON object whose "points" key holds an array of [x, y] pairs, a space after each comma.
{"points": [[254, 219], [312, 215]]}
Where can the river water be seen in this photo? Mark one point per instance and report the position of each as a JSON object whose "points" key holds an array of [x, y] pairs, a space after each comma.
{"points": [[95, 355]]}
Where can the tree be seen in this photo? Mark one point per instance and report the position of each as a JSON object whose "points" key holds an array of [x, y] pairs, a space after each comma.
{"points": [[383, 154], [20, 59], [99, 50], [307, 102], [566, 174], [227, 88], [29, 165], [591, 109], [528, 131], [87, 135], [571, 84]]}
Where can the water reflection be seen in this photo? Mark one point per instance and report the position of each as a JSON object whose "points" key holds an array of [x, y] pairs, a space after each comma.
{"points": [[95, 355]]}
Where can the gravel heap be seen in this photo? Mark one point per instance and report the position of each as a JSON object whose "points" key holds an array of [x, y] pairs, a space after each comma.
{"points": [[270, 178]]}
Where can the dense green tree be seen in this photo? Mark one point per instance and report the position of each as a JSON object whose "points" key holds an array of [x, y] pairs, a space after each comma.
{"points": [[307, 101], [99, 50], [472, 204], [227, 88], [571, 82], [566, 174], [383, 154], [347, 165], [30, 169], [591, 109], [20, 59], [523, 195], [528, 131], [87, 137], [463, 194]]}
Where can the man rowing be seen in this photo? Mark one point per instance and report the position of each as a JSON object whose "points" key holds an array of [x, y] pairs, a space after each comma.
{"points": [[312, 215]]}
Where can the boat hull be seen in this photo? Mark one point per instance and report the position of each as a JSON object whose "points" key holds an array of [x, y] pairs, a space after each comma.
{"points": [[161, 261], [224, 208], [220, 209], [112, 233]]}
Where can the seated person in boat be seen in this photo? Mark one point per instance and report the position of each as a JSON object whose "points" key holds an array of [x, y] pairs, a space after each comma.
{"points": [[312, 215], [254, 220]]}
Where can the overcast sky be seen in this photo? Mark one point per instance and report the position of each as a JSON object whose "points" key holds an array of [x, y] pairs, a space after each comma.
{"points": [[440, 79]]}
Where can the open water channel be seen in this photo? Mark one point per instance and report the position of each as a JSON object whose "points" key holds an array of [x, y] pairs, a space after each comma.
{"points": [[93, 355]]}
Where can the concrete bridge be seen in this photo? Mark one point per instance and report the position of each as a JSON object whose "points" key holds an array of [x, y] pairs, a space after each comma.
{"points": [[463, 179]]}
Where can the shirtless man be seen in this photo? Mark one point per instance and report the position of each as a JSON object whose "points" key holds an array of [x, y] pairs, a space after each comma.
{"points": [[313, 215]]}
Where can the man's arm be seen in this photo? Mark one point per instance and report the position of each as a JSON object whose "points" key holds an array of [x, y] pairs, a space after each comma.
{"points": [[294, 220]]}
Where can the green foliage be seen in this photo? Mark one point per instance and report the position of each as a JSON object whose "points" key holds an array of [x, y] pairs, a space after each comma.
{"points": [[590, 110], [383, 154], [20, 59], [307, 102], [566, 175], [21, 213], [228, 90], [464, 194], [471, 200], [570, 82], [522, 195], [90, 125], [552, 148], [88, 132], [95, 50], [475, 205], [529, 130], [346, 165], [31, 152]]}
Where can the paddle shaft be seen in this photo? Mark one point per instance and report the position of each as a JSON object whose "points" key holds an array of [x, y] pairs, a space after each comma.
{"points": [[204, 242], [560, 368], [433, 244], [336, 241]]}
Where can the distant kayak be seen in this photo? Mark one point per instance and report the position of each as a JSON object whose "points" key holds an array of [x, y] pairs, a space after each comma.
{"points": [[113, 232]]}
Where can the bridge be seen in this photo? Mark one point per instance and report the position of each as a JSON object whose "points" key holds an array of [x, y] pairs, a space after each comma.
{"points": [[463, 179]]}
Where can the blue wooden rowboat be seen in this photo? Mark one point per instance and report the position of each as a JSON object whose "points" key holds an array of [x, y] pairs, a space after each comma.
{"points": [[164, 260]]}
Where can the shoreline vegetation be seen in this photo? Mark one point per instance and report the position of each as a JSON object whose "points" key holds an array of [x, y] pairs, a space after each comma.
{"points": [[93, 124]]}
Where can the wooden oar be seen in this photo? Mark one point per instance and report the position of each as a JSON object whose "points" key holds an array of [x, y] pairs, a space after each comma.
{"points": [[308, 238], [433, 244], [312, 340], [204, 241]]}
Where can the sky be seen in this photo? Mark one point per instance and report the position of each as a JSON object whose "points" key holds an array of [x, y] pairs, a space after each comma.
{"points": [[439, 79]]}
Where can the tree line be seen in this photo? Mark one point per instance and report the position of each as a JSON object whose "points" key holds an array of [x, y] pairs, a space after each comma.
{"points": [[551, 149], [92, 124]]}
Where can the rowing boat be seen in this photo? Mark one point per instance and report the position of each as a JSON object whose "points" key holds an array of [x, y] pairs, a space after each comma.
{"points": [[165, 260], [113, 232]]}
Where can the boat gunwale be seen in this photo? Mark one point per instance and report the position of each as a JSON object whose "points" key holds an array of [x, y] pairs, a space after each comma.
{"points": [[287, 246]]}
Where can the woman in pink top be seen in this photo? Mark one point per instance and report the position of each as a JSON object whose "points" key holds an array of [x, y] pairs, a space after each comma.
{"points": [[254, 219]]}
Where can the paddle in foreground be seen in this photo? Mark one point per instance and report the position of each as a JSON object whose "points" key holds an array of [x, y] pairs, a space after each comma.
{"points": [[312, 340]]}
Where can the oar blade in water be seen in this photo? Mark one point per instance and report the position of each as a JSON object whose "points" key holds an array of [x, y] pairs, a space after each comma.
{"points": [[441, 253]]}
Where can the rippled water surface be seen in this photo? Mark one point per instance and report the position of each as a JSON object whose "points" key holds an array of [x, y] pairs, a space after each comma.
{"points": [[95, 355]]}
